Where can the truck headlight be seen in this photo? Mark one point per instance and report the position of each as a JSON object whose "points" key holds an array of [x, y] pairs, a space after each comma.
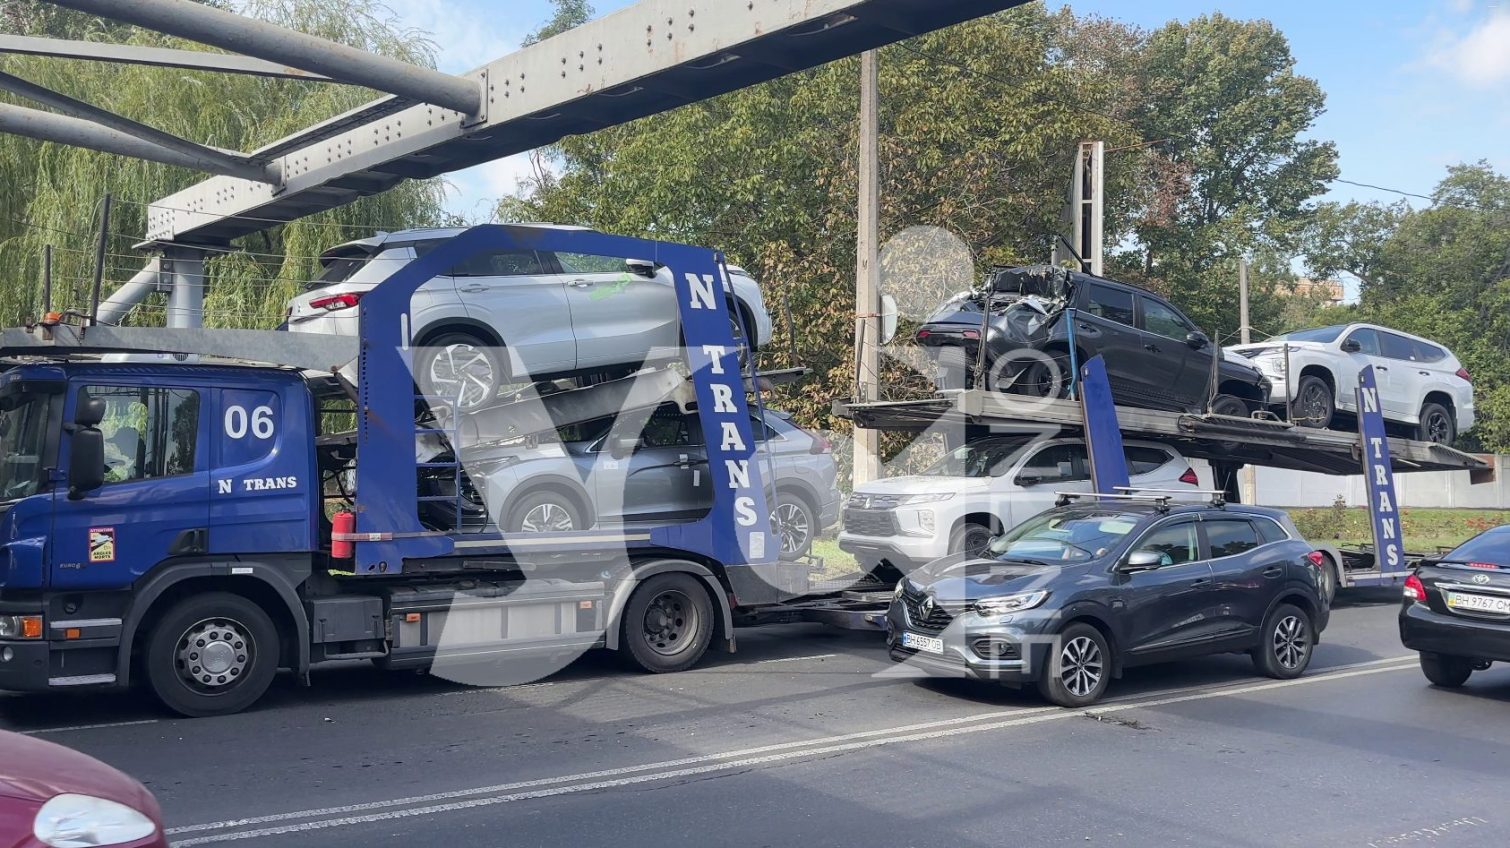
{"points": [[84, 821], [1011, 603], [20, 627]]}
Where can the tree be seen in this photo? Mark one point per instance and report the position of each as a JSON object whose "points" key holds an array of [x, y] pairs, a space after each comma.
{"points": [[569, 14], [50, 194], [1234, 174]]}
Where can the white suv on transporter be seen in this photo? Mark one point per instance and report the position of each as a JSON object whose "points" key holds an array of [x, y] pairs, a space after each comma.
{"points": [[981, 489], [1422, 386], [555, 314]]}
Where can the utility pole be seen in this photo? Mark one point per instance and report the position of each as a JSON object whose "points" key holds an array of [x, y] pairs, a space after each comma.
{"points": [[1247, 478], [46, 279], [867, 464], [99, 259]]}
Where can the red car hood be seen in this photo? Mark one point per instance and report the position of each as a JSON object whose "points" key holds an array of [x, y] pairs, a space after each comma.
{"points": [[31, 769]]}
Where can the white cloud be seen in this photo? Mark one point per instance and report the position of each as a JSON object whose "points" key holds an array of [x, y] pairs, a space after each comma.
{"points": [[476, 190], [467, 34], [1482, 57]]}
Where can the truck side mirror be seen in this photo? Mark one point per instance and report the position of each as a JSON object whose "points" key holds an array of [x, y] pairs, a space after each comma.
{"points": [[640, 267], [1197, 340], [1351, 346], [620, 447], [86, 454], [1142, 560]]}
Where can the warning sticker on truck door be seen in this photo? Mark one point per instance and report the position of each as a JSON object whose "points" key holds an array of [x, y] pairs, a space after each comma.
{"points": [[102, 544]]}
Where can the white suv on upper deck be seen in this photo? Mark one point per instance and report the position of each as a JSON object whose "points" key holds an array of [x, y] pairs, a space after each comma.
{"points": [[983, 488], [555, 313], [1421, 384]]}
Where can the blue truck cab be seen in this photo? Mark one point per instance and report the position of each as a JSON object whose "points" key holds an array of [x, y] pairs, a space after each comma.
{"points": [[187, 524]]}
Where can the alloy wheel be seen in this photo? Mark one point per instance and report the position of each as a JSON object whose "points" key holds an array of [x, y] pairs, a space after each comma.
{"points": [[547, 518], [1080, 666], [463, 374], [792, 524], [1314, 404], [1290, 641], [1438, 428], [213, 654]]}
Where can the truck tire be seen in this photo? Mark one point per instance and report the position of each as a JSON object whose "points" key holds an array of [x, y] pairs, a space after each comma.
{"points": [[970, 538], [1079, 668], [1287, 642], [1230, 405], [212, 654], [667, 624], [1446, 671], [1315, 404], [546, 511]]}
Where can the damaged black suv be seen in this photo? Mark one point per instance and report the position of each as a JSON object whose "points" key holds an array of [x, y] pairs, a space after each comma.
{"points": [[1155, 356]]}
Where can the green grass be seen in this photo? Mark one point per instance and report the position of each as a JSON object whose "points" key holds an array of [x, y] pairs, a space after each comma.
{"points": [[1424, 530], [836, 563]]}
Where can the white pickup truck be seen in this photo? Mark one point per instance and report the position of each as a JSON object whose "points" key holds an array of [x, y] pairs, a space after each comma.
{"points": [[980, 490]]}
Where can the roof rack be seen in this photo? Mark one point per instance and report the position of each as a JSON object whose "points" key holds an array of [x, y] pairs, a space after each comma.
{"points": [[1218, 498], [1161, 501]]}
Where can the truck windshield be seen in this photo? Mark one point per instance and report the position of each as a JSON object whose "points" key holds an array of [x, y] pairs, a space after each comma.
{"points": [[1054, 537], [988, 458], [23, 435]]}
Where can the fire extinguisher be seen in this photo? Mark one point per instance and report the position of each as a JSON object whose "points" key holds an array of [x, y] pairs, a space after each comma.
{"points": [[342, 524]]}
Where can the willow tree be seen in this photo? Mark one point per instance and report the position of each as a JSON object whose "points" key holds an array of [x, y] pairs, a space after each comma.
{"points": [[50, 194]]}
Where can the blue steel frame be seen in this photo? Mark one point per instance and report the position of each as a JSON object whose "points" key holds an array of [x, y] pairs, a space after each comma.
{"points": [[1379, 480], [1103, 435], [736, 531]]}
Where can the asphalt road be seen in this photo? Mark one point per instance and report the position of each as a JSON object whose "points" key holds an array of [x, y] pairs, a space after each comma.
{"points": [[808, 737]]}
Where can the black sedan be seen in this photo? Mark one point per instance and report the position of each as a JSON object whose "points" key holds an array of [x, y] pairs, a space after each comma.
{"points": [[1457, 609], [1074, 595]]}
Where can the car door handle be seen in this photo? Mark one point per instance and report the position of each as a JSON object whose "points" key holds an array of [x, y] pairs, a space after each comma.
{"points": [[582, 284], [473, 289], [1273, 571], [1152, 348], [1204, 581], [1381, 367], [1424, 373]]}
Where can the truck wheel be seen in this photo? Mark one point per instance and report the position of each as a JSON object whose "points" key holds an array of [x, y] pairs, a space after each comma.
{"points": [[1229, 405], [545, 512], [212, 654], [667, 624], [1285, 651], [1079, 668], [1314, 403], [794, 523], [459, 368], [1436, 425], [1329, 578], [1446, 671]]}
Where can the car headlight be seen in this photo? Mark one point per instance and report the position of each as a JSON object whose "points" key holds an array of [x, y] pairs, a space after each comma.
{"points": [[931, 497], [1011, 603], [83, 821]]}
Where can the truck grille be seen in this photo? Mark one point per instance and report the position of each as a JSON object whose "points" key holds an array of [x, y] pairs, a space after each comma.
{"points": [[934, 621], [870, 522]]}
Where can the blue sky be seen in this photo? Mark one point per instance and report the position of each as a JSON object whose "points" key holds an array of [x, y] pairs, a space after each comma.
{"points": [[1411, 87]]}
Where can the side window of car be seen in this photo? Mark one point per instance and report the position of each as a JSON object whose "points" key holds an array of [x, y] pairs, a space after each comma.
{"points": [[1368, 341], [1397, 347], [1162, 320], [588, 263], [1174, 543], [1141, 460], [1058, 464], [503, 263], [1270, 531], [665, 429], [1428, 352], [1230, 536], [1111, 304], [148, 432]]}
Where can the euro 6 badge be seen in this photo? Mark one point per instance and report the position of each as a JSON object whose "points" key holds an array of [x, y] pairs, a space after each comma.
{"points": [[101, 544]]}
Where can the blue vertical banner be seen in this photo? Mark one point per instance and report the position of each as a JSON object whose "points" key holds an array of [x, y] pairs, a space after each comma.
{"points": [[1103, 434], [1379, 477]]}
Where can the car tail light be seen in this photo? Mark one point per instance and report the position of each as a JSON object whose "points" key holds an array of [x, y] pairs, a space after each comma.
{"points": [[820, 444], [971, 334], [332, 302], [1463, 372], [1190, 478], [1488, 565], [923, 334], [1415, 589], [1317, 558]]}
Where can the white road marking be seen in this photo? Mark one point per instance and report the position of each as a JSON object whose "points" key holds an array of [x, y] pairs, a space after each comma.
{"points": [[88, 727], [795, 659], [691, 766]]}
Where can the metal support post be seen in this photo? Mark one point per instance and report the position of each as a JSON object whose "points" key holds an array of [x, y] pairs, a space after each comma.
{"points": [[61, 129], [867, 466], [1247, 478], [186, 288]]}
